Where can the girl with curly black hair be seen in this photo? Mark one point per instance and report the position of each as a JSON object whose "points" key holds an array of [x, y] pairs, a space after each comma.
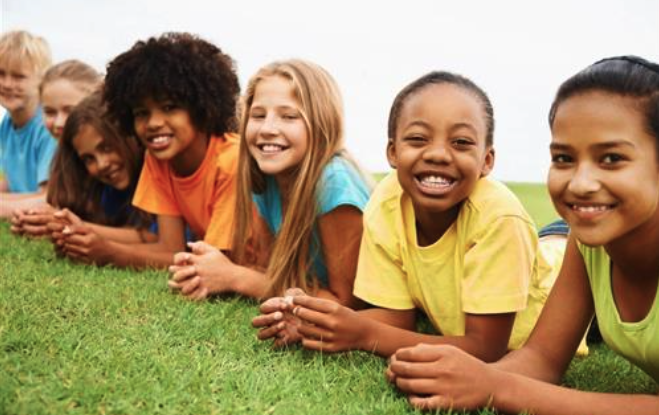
{"points": [[177, 93]]}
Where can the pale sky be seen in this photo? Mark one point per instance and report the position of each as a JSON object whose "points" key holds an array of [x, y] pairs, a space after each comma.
{"points": [[518, 51]]}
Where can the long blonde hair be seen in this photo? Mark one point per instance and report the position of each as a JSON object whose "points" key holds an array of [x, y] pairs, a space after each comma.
{"points": [[322, 110]]}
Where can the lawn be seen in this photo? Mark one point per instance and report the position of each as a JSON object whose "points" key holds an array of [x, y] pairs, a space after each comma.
{"points": [[85, 340]]}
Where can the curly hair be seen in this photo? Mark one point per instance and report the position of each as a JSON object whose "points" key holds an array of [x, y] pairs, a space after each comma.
{"points": [[178, 66]]}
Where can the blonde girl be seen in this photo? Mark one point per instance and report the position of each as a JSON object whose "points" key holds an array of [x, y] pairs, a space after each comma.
{"points": [[300, 195]]}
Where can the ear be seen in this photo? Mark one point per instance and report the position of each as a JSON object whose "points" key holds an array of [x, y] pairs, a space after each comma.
{"points": [[488, 163], [391, 153]]}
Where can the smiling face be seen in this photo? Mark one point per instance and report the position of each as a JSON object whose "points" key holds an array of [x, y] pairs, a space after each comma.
{"points": [[604, 178], [19, 87], [167, 132], [102, 161], [439, 149], [58, 98], [276, 133]]}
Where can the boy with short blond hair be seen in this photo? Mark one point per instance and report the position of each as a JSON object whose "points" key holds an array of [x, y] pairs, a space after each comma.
{"points": [[26, 146]]}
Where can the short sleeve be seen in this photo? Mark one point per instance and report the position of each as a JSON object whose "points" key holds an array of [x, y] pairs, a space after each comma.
{"points": [[154, 193], [46, 152], [342, 185], [220, 229], [381, 279], [498, 267]]}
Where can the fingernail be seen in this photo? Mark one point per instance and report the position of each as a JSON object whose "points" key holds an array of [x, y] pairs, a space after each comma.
{"points": [[278, 315]]}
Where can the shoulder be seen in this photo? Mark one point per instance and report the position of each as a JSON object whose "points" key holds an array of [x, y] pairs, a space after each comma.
{"points": [[385, 202], [491, 199], [226, 150], [342, 183]]}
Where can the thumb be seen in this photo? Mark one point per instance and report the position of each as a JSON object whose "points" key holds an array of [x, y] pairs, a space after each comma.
{"points": [[201, 247]]}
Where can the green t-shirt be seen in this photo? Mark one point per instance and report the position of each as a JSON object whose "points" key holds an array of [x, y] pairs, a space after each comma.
{"points": [[638, 341]]}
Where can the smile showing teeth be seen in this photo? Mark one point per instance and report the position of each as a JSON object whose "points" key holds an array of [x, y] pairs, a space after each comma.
{"points": [[271, 148], [590, 209], [435, 181], [159, 140]]}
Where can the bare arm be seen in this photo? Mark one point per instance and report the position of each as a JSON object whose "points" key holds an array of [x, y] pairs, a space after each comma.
{"points": [[340, 235], [125, 235], [83, 244], [12, 201]]}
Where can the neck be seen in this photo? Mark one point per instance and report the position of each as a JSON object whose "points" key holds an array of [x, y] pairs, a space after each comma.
{"points": [[431, 226], [188, 161], [635, 253], [23, 115]]}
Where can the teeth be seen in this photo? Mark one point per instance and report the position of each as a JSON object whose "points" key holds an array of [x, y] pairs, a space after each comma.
{"points": [[599, 208], [271, 148], [435, 181], [159, 140]]}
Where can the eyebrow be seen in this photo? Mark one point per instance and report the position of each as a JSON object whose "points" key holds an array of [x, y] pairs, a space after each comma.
{"points": [[599, 146]]}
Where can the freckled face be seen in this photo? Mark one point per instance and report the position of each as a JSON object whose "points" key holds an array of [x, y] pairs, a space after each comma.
{"points": [[604, 178]]}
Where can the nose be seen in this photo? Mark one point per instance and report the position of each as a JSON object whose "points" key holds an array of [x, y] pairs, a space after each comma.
{"points": [[156, 120], [437, 153], [584, 181], [270, 125], [60, 120], [103, 163]]}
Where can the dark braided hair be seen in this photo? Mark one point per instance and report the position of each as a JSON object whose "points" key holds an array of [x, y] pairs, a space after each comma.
{"points": [[181, 67]]}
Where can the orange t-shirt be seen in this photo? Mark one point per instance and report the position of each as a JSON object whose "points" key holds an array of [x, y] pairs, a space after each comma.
{"points": [[206, 199]]}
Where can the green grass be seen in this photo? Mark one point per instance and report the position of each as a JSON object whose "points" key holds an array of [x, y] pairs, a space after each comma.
{"points": [[536, 200], [86, 340]]}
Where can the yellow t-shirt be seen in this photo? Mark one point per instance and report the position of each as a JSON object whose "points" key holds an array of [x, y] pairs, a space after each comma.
{"points": [[206, 199], [487, 262]]}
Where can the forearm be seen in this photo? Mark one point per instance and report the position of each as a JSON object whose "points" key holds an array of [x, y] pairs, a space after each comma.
{"points": [[517, 393], [12, 201], [123, 235], [385, 339], [249, 282], [148, 255]]}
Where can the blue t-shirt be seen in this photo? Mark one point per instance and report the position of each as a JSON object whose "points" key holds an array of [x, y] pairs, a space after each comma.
{"points": [[341, 184], [26, 153]]}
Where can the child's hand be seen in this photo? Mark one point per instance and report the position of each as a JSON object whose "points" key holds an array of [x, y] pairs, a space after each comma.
{"points": [[81, 243], [442, 377], [328, 326], [203, 272], [31, 222], [277, 320]]}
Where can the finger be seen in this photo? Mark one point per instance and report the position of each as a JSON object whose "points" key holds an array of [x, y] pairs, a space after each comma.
{"points": [[265, 320], [430, 402], [414, 386], [69, 216], [313, 303], [271, 305], [190, 285], [314, 332], [182, 258], [270, 332], [79, 250], [199, 295], [17, 230], [319, 346], [414, 369], [200, 247], [37, 219], [390, 376], [185, 273], [313, 317], [77, 239], [175, 286], [423, 352], [294, 292], [35, 230]]}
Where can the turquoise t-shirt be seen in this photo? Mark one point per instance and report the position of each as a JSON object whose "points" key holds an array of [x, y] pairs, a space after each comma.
{"points": [[637, 341], [26, 154], [341, 184]]}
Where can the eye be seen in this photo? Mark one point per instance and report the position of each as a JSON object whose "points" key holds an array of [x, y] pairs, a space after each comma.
{"points": [[611, 158], [257, 115], [87, 160], [140, 113], [291, 116], [561, 159], [49, 112], [463, 142], [169, 106], [104, 148]]}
